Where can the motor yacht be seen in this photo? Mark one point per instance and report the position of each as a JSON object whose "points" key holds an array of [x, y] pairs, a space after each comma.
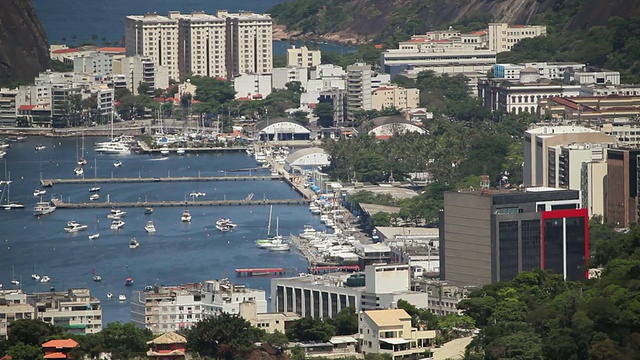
{"points": [[45, 279], [95, 236], [148, 210], [94, 189], [186, 216], [118, 163], [82, 161], [225, 222], [164, 151], [43, 208], [180, 151], [150, 227], [134, 244], [97, 278], [79, 171], [128, 282], [116, 214], [73, 226], [116, 224], [122, 297], [94, 197], [113, 148], [40, 147], [109, 295], [39, 192]]}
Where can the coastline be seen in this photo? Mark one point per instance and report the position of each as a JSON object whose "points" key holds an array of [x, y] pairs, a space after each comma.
{"points": [[281, 33]]}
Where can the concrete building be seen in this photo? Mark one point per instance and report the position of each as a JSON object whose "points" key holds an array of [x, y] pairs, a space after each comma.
{"points": [[139, 69], [13, 306], [379, 80], [106, 98], [282, 76], [395, 61], [492, 236], [76, 311], [222, 296], [565, 163], [593, 76], [358, 88], [202, 45], [537, 141], [522, 97], [60, 97], [593, 187], [546, 70], [390, 332], [597, 109], [249, 43], [324, 296], [338, 99], [606, 90], [395, 97], [269, 322], [622, 187], [306, 159], [8, 107], [303, 57], [157, 37], [626, 133], [502, 36], [252, 86], [168, 346], [96, 63]]}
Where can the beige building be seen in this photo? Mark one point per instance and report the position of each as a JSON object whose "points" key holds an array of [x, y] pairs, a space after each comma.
{"points": [[269, 322], [249, 43], [390, 332], [593, 187], [154, 36], [503, 36], [358, 87], [75, 311], [302, 56], [202, 46], [13, 306], [565, 163], [394, 96]]}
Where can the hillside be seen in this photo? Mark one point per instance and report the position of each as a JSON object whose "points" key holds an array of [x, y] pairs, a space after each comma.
{"points": [[361, 21], [23, 42]]}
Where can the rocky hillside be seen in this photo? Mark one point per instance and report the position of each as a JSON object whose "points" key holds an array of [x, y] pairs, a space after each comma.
{"points": [[23, 42], [379, 20]]}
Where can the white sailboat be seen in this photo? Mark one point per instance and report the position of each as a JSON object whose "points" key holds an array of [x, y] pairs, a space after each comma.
{"points": [[96, 234], [82, 161], [95, 187], [14, 281], [10, 205]]}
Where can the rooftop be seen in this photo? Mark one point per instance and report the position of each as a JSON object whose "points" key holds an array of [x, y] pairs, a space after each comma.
{"points": [[389, 317], [168, 338], [562, 129], [60, 344]]}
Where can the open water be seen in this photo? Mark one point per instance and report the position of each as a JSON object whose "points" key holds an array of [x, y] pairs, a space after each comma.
{"points": [[177, 253]]}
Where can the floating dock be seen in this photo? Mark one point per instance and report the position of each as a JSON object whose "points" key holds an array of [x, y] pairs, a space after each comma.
{"points": [[97, 205], [51, 182], [260, 271]]}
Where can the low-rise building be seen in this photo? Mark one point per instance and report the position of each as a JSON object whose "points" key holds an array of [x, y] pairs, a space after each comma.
{"points": [[252, 86], [386, 97], [76, 311], [95, 63], [390, 332], [282, 76], [168, 346], [546, 70], [593, 76], [596, 109], [13, 306], [59, 349], [303, 57], [269, 322], [502, 36], [142, 69]]}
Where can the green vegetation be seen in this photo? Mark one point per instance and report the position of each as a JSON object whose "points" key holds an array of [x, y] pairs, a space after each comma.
{"points": [[313, 16]]}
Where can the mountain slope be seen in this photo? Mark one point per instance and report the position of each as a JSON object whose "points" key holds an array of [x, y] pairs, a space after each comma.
{"points": [[23, 42]]}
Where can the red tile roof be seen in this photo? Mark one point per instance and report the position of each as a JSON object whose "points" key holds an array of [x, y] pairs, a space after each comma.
{"points": [[64, 51], [60, 344], [112, 49], [27, 107], [479, 32], [55, 355]]}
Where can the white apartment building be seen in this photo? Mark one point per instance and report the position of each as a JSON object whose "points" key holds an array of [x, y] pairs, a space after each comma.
{"points": [[157, 37], [76, 311], [537, 141], [324, 296], [13, 306], [252, 86], [173, 308], [96, 63], [105, 97], [502, 36], [593, 187], [8, 107], [593, 76], [138, 68], [358, 87], [390, 332], [249, 43], [395, 96], [202, 47], [546, 70], [378, 80], [281, 76], [303, 57], [565, 163]]}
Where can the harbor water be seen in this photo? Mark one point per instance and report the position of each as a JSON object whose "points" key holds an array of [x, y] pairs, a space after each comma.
{"points": [[177, 253]]}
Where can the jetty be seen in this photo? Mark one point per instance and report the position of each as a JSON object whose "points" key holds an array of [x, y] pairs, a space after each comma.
{"points": [[144, 148], [114, 180], [260, 271], [60, 204]]}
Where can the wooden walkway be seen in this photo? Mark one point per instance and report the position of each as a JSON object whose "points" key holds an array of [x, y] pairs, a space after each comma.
{"points": [[51, 182], [96, 205]]}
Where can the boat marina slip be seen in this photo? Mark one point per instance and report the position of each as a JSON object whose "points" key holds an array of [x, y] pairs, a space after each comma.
{"points": [[177, 252]]}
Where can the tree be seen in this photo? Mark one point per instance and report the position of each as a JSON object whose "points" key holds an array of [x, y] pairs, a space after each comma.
{"points": [[324, 112], [301, 117], [276, 339], [225, 336], [310, 329], [381, 219], [22, 351], [31, 332], [143, 88], [346, 322], [125, 340]]}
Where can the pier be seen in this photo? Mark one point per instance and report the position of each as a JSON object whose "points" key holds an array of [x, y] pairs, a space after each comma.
{"points": [[114, 180], [146, 149], [260, 271], [97, 205]]}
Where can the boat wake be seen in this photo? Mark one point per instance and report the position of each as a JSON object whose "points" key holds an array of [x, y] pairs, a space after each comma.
{"points": [[159, 159]]}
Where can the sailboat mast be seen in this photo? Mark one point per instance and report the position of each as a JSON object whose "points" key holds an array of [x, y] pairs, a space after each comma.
{"points": [[269, 227], [277, 226]]}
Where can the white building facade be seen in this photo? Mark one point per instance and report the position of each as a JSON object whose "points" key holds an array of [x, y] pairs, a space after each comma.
{"points": [[395, 97], [303, 57], [502, 36], [202, 45], [252, 86], [282, 76], [358, 87]]}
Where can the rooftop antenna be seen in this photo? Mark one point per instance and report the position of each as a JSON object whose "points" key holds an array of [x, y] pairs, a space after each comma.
{"points": [[484, 184]]}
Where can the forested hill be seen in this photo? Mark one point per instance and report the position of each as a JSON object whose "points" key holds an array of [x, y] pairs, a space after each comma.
{"points": [[393, 20]]}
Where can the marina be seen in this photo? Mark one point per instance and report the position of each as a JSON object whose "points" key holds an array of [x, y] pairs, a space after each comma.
{"points": [[52, 182]]}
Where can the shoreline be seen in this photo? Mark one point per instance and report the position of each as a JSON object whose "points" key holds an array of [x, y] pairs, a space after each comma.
{"points": [[281, 33]]}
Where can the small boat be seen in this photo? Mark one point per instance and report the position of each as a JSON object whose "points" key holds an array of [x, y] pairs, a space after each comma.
{"points": [[15, 282], [148, 210], [186, 216], [148, 288], [118, 163], [134, 244], [150, 228], [97, 278], [39, 192], [180, 151], [79, 171], [40, 147], [35, 276], [13, 205], [122, 297], [82, 161], [95, 236], [94, 189], [128, 282], [73, 226], [94, 197], [226, 223], [197, 194], [274, 173], [52, 288], [21, 138], [109, 295], [116, 214], [265, 166], [223, 228], [164, 151], [45, 279], [117, 224], [280, 247]]}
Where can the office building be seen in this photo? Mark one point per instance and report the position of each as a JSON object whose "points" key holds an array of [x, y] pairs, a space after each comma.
{"points": [[593, 76], [96, 63], [13, 306], [594, 187], [325, 296], [390, 332], [156, 37], [537, 141], [565, 163], [502, 36], [303, 57], [282, 76], [252, 86], [387, 97], [622, 187], [76, 311], [202, 46], [395, 61], [358, 88], [492, 235], [249, 43]]}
